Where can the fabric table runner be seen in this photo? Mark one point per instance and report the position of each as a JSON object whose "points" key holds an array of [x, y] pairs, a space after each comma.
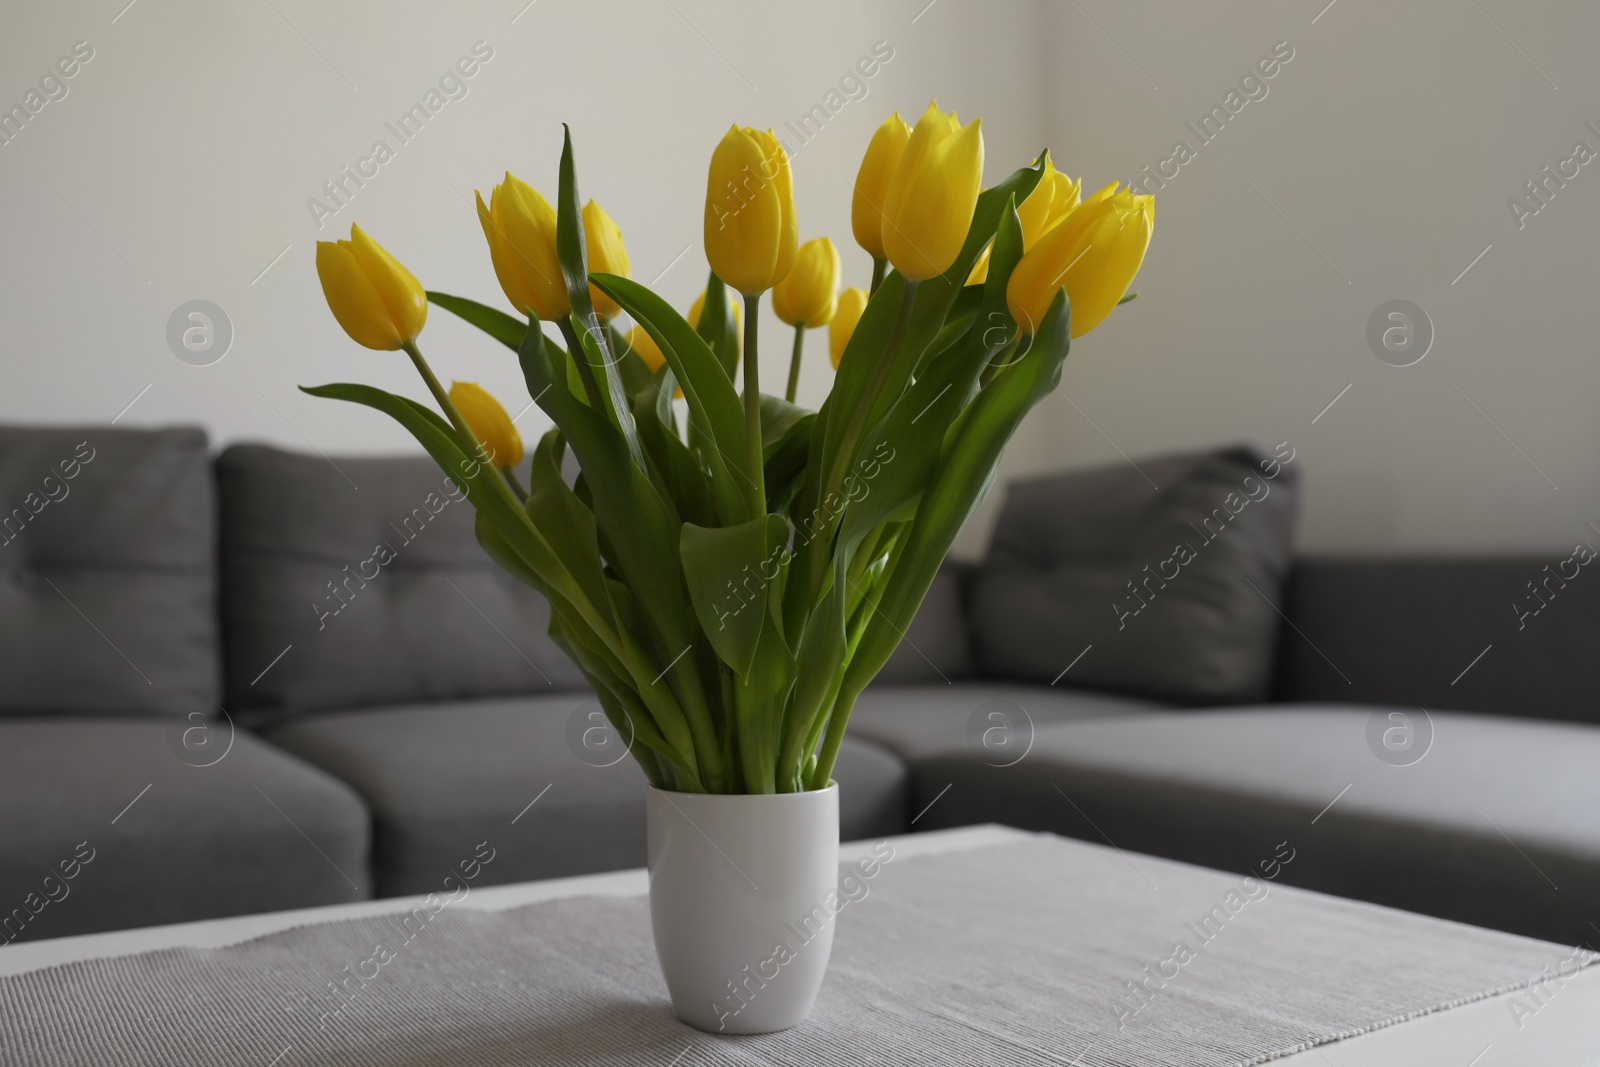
{"points": [[1046, 951]]}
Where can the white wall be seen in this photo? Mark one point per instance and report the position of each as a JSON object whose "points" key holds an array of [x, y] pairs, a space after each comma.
{"points": [[192, 140], [197, 133], [1392, 140]]}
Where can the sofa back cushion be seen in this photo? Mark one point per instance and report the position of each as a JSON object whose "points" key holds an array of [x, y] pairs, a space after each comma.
{"points": [[1158, 580], [936, 648], [108, 585], [351, 582], [1507, 635]]}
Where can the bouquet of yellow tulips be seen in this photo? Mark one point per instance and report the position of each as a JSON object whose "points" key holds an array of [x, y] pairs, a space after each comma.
{"points": [[731, 570]]}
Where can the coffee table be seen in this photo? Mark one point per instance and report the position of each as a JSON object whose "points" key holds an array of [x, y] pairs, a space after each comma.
{"points": [[1564, 1032]]}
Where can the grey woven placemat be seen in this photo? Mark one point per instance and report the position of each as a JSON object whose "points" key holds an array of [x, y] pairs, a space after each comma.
{"points": [[1016, 954]]}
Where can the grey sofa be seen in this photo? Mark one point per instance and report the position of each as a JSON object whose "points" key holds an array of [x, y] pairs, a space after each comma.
{"points": [[266, 680]]}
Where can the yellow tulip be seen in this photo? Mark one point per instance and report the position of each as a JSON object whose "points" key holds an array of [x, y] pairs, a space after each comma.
{"points": [[928, 207], [520, 226], [750, 230], [808, 294], [1052, 200], [1093, 254], [489, 423], [852, 302], [888, 144], [379, 303], [645, 347], [603, 239]]}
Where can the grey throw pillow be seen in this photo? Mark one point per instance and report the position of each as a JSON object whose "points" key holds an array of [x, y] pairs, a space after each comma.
{"points": [[1160, 584]]}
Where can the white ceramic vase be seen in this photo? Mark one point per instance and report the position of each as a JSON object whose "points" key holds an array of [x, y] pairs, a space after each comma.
{"points": [[743, 893]]}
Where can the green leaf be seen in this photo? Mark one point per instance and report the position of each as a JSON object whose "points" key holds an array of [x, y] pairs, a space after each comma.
{"points": [[573, 253], [966, 469], [499, 550], [899, 455], [504, 328], [786, 460], [635, 373], [566, 522], [727, 571], [819, 666], [637, 530], [714, 406], [778, 418], [758, 705], [684, 480], [719, 324]]}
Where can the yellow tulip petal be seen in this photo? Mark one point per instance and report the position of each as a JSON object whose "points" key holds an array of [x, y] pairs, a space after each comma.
{"points": [[603, 240], [488, 422], [783, 179], [1094, 255], [878, 167], [397, 287], [852, 302], [353, 299], [929, 204], [806, 295], [750, 230], [528, 224], [503, 257], [1034, 212]]}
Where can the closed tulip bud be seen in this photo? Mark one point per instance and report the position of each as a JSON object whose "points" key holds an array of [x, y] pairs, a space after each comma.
{"points": [[888, 144], [489, 423], [808, 294], [645, 347], [1093, 254], [520, 226], [379, 303], [1052, 200], [603, 239], [852, 302], [750, 230], [927, 210]]}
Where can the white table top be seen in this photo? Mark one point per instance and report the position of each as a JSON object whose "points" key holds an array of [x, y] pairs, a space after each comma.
{"points": [[1564, 1032]]}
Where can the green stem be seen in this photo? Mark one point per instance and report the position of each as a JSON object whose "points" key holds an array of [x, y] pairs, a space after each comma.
{"points": [[843, 705], [585, 372], [446, 404], [879, 269], [858, 418], [999, 362], [845, 455], [794, 361], [752, 407], [511, 480]]}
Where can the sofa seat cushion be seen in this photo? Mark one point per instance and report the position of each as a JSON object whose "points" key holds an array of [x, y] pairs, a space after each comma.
{"points": [[443, 778], [151, 837], [1494, 816], [992, 719]]}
